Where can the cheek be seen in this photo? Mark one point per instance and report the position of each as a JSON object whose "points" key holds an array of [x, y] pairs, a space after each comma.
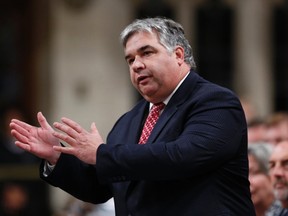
{"points": [[253, 182], [259, 181], [132, 78]]}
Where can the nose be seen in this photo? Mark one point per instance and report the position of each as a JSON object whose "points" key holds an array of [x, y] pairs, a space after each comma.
{"points": [[277, 171], [138, 64]]}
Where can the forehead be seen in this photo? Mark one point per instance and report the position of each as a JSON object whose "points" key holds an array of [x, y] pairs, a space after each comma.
{"points": [[280, 152], [253, 163], [140, 39]]}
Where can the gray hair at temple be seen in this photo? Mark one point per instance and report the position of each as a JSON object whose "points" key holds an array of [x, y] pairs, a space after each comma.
{"points": [[261, 152], [170, 34]]}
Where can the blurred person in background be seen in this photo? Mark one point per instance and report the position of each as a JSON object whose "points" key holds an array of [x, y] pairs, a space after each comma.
{"points": [[278, 169], [277, 128], [260, 183], [14, 200], [256, 125], [257, 130]]}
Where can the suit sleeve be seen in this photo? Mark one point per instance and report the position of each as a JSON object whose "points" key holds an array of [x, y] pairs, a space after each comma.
{"points": [[78, 179]]}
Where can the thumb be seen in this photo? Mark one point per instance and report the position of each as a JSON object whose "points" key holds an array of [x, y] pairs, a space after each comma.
{"points": [[94, 128], [43, 122]]}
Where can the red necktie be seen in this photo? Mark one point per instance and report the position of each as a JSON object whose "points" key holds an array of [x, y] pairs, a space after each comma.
{"points": [[151, 121]]}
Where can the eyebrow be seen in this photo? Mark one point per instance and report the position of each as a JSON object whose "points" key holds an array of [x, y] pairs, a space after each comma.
{"points": [[145, 47], [275, 161], [141, 49]]}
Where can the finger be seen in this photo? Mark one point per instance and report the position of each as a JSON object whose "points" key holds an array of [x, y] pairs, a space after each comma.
{"points": [[66, 129], [72, 124], [21, 124], [43, 122], [93, 127], [19, 136], [65, 138], [23, 146], [20, 129], [66, 150]]}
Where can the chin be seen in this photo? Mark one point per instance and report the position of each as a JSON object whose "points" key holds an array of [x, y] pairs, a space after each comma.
{"points": [[281, 194]]}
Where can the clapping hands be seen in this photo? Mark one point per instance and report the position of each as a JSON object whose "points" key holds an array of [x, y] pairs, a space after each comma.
{"points": [[44, 141]]}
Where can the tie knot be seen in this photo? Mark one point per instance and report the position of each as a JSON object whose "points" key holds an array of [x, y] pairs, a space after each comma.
{"points": [[158, 107]]}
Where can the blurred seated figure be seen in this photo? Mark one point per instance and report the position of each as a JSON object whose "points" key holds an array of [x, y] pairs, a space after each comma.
{"points": [[14, 200], [256, 131], [277, 127], [260, 184], [278, 168]]}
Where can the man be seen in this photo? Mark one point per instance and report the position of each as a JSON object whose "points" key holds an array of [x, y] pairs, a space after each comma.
{"points": [[195, 159], [279, 172], [260, 183]]}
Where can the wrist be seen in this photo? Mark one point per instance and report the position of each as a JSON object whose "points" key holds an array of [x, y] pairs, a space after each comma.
{"points": [[53, 160]]}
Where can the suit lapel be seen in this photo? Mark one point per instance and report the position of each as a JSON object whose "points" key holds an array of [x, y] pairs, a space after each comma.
{"points": [[137, 123], [162, 121], [179, 97]]}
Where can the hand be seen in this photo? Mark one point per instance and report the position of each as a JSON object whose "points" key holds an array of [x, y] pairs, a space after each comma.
{"points": [[36, 140], [82, 144]]}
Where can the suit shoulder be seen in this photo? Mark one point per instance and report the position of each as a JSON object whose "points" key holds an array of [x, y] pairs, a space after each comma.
{"points": [[205, 88]]}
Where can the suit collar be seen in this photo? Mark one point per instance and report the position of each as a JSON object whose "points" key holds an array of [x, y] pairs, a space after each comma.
{"points": [[136, 128], [180, 96], [184, 90]]}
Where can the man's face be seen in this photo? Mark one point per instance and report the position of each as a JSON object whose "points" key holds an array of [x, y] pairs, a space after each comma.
{"points": [[260, 184], [154, 71], [279, 170]]}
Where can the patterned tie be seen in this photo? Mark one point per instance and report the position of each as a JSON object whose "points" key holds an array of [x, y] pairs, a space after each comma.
{"points": [[151, 121]]}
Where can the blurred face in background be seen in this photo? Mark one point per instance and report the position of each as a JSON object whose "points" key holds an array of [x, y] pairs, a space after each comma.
{"points": [[277, 128], [260, 183], [279, 171], [257, 133]]}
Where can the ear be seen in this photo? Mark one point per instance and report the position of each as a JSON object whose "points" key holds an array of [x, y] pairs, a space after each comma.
{"points": [[179, 54]]}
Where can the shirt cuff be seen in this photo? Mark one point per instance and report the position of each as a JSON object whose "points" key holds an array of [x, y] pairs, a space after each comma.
{"points": [[48, 168]]}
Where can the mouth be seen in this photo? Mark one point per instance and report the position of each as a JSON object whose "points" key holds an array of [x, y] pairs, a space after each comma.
{"points": [[142, 79], [279, 186]]}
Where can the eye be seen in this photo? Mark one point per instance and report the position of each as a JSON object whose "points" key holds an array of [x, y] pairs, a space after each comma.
{"points": [[146, 53], [285, 165], [130, 61]]}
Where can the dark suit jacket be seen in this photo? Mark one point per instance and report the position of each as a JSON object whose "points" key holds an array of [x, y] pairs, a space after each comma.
{"points": [[194, 163]]}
